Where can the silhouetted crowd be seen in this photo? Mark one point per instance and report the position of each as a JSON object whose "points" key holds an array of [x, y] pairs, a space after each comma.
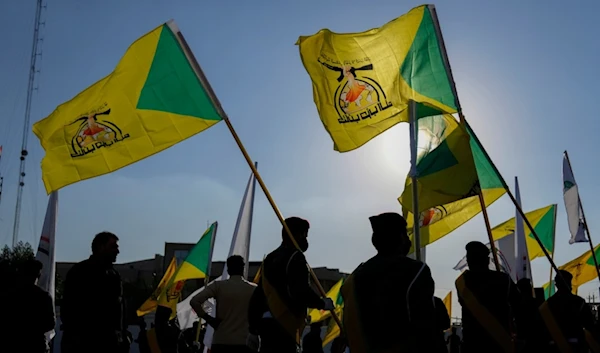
{"points": [[388, 306]]}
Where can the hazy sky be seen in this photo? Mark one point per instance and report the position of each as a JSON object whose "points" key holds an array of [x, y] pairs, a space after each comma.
{"points": [[526, 77]]}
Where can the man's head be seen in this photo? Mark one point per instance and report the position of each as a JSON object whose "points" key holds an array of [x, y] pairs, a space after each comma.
{"points": [[105, 246], [525, 287], [299, 228], [30, 270], [564, 284], [389, 234], [478, 256], [316, 326], [235, 265]]}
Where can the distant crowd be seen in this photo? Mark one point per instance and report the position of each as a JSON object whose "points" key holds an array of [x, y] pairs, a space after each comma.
{"points": [[388, 306]]}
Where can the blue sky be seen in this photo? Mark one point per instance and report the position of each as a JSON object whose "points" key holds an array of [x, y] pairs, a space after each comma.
{"points": [[525, 75]]}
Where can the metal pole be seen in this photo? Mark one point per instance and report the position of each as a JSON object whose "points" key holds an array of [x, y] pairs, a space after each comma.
{"points": [[412, 113], [26, 127]]}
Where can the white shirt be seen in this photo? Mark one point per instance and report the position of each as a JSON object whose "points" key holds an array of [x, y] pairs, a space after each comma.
{"points": [[233, 298]]}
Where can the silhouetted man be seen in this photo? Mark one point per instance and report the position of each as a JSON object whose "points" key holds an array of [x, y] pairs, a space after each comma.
{"points": [[388, 300], [312, 342], [442, 323], [233, 297], [566, 315], [28, 312], [531, 331], [489, 300], [92, 307], [453, 342], [278, 307]]}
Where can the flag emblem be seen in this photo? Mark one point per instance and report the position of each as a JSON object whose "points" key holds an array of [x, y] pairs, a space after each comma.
{"points": [[357, 96], [92, 131]]}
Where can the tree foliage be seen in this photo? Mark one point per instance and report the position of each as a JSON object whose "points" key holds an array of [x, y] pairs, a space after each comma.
{"points": [[13, 257]]}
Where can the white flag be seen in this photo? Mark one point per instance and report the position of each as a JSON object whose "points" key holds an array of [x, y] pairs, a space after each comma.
{"points": [[572, 204], [240, 245], [45, 252], [522, 261]]}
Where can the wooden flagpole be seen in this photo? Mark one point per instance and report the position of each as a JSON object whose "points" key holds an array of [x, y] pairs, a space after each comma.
{"points": [[412, 113], [215, 100], [444, 53]]}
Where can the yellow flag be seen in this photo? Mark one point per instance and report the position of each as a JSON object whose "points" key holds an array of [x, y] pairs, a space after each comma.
{"points": [[362, 82], [582, 268], [170, 297], [334, 294], [448, 303], [153, 99], [151, 303], [333, 330]]}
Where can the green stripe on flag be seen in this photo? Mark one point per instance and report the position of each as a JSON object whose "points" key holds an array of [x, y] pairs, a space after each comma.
{"points": [[172, 85]]}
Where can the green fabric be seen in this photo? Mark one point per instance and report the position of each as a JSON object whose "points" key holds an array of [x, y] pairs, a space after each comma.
{"points": [[180, 93], [439, 156], [199, 256], [545, 229], [423, 68], [489, 178]]}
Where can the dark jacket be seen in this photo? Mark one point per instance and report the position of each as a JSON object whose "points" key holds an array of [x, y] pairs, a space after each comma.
{"points": [[92, 310], [312, 342], [287, 273], [497, 292], [28, 313], [394, 303]]}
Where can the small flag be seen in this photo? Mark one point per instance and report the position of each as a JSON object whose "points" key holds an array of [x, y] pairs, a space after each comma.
{"points": [[150, 304], [195, 266], [154, 99], [362, 82], [335, 295], [582, 268], [448, 303], [572, 204], [45, 252]]}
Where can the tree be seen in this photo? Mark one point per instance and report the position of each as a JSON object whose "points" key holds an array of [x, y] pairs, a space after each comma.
{"points": [[17, 255]]}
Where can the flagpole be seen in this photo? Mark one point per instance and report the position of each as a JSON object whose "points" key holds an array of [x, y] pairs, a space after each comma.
{"points": [[412, 113], [585, 225], [551, 289], [446, 61], [213, 97], [463, 120], [488, 227]]}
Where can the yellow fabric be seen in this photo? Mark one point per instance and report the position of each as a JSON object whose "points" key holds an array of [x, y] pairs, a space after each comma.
{"points": [[317, 315], [333, 330], [351, 319], [292, 324], [582, 268], [188, 271], [129, 134], [508, 227], [484, 317], [150, 304], [170, 297], [153, 341], [555, 331], [591, 341], [448, 303], [445, 166], [440, 221], [364, 65]]}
